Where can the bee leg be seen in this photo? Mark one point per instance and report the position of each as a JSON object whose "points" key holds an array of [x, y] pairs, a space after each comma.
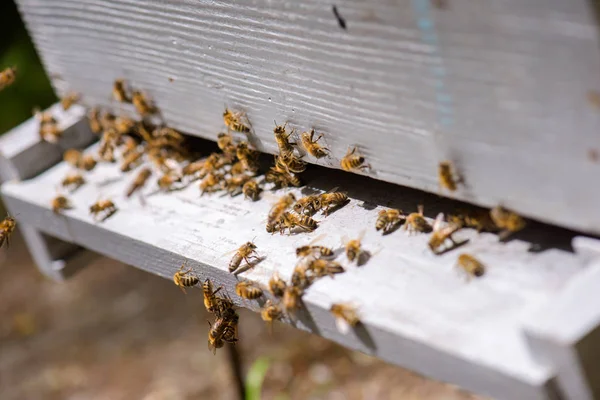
{"points": [[182, 289]]}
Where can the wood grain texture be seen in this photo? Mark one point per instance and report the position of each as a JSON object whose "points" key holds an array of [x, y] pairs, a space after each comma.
{"points": [[500, 88], [418, 310]]}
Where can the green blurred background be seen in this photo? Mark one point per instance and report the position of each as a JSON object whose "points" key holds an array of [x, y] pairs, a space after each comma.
{"points": [[32, 87]]}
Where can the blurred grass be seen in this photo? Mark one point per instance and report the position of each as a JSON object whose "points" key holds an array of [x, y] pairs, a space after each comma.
{"points": [[32, 87]]}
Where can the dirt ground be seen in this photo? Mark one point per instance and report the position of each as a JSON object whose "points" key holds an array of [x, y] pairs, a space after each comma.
{"points": [[114, 332]]}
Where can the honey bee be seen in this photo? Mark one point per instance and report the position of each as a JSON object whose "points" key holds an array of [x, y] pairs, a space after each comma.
{"points": [[60, 203], [329, 200], [312, 250], [346, 316], [170, 134], [72, 157], [248, 290], [233, 121], [106, 150], [300, 277], [291, 220], [166, 182], [251, 190], [226, 143], [247, 156], [446, 177], [441, 234], [354, 249], [224, 330], [106, 206], [388, 219], [282, 179], [415, 222], [131, 161], [185, 278], [124, 125], [288, 162], [73, 181], [7, 226], [237, 168], [139, 181], [7, 77], [107, 120], [94, 119], [246, 252], [353, 162], [321, 268], [471, 265], [119, 91], [282, 139], [271, 312], [506, 220], [194, 167], [477, 219], [312, 147], [305, 205], [87, 162], [277, 285], [130, 145], [69, 99], [44, 117], [292, 299], [234, 184], [142, 105], [211, 302], [280, 207], [48, 130], [211, 183]]}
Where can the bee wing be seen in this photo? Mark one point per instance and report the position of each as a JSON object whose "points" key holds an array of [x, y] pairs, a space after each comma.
{"points": [[439, 220], [229, 252], [316, 239], [361, 235], [342, 325]]}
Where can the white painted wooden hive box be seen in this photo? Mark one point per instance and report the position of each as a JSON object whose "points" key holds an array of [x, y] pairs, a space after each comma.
{"points": [[501, 88]]}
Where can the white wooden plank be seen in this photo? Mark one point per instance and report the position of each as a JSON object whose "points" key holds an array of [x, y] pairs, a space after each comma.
{"points": [[417, 308], [499, 87]]}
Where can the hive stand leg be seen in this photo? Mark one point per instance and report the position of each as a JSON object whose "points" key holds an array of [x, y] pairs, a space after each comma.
{"points": [[24, 155], [565, 332], [235, 365]]}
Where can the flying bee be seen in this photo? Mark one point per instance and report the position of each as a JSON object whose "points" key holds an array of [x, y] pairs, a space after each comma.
{"points": [[211, 183], [185, 278], [312, 250], [471, 265], [271, 312], [291, 220], [233, 121], [73, 181], [441, 234], [7, 226], [415, 222], [506, 220], [277, 285], [68, 100], [353, 162], [72, 157], [106, 206], [329, 200], [87, 162], [142, 104], [321, 268], [234, 184], [120, 91], [447, 178], [7, 77], [280, 207], [139, 181], [166, 182], [300, 277], [283, 139], [60, 203], [94, 119], [247, 156], [251, 190], [292, 299], [211, 302], [388, 219], [312, 147], [246, 252], [288, 162], [224, 330], [248, 290], [131, 161], [346, 316], [354, 249], [226, 143]]}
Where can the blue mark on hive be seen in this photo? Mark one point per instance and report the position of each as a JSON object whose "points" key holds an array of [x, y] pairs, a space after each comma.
{"points": [[429, 36]]}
